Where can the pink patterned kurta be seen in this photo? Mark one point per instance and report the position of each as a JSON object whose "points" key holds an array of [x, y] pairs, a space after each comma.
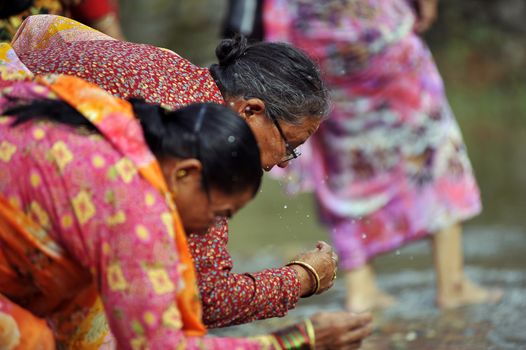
{"points": [[389, 165]]}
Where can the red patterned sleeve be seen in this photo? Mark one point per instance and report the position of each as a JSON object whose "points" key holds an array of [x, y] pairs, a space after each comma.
{"points": [[231, 298]]}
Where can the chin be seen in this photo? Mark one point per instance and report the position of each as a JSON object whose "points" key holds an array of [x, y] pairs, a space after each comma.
{"points": [[196, 230], [268, 167]]}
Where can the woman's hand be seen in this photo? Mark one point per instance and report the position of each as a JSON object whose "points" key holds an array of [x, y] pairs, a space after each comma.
{"points": [[324, 260], [427, 12], [340, 330]]}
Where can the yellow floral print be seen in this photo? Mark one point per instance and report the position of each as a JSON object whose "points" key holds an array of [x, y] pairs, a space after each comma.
{"points": [[40, 214], [172, 317], [142, 232], [106, 248], [149, 199], [168, 221], [66, 221], [98, 161], [139, 343], [126, 169], [6, 151], [39, 134], [149, 318], [35, 179], [160, 280], [83, 206], [15, 202], [116, 278], [61, 154], [118, 218]]}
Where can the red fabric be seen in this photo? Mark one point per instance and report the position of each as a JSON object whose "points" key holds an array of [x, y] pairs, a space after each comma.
{"points": [[92, 10], [128, 70], [235, 298]]}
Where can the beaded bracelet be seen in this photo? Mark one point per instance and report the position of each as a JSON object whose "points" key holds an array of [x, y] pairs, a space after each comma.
{"points": [[312, 271], [295, 337]]}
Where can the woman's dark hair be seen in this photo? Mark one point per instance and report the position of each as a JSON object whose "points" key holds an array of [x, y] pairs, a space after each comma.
{"points": [[212, 133], [282, 76]]}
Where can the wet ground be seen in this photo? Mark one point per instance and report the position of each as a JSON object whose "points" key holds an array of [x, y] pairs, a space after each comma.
{"points": [[496, 257]]}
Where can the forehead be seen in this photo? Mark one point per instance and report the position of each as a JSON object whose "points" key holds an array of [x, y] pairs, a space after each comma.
{"points": [[298, 133], [232, 201]]}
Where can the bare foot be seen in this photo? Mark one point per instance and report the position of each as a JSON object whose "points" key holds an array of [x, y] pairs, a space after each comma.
{"points": [[468, 293], [363, 293], [369, 301]]}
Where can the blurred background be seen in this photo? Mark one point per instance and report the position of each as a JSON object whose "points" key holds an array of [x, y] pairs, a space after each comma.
{"points": [[480, 49]]}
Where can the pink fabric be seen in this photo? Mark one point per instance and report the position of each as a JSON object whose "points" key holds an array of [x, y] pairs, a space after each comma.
{"points": [[389, 165]]}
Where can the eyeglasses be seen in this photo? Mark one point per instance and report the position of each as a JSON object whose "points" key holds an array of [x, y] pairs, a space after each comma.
{"points": [[291, 153]]}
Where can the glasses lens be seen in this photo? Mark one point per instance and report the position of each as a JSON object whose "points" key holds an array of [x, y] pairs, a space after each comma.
{"points": [[291, 154]]}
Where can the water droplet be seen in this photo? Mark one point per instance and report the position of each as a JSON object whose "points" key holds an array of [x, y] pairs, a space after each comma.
{"points": [[308, 215], [231, 138], [397, 252], [411, 336], [364, 236], [285, 206]]}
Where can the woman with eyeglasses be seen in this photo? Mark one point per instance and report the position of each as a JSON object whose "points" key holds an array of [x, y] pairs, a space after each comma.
{"points": [[275, 88], [96, 195]]}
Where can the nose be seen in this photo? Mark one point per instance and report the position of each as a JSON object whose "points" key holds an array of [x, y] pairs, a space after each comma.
{"points": [[284, 164]]}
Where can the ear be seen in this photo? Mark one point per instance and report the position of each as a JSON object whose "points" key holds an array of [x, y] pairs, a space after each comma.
{"points": [[248, 108], [183, 171]]}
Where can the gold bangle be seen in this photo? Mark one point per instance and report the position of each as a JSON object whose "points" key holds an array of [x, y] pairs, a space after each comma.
{"points": [[310, 333], [312, 271]]}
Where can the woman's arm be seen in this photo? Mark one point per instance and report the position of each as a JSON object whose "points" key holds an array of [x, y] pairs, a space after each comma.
{"points": [[234, 298]]}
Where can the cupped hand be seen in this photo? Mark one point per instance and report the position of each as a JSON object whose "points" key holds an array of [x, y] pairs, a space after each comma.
{"points": [[341, 330], [324, 260]]}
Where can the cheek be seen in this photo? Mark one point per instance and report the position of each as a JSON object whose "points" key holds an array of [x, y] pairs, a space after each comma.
{"points": [[271, 153]]}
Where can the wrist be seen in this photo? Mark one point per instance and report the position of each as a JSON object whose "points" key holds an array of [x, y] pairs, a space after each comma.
{"points": [[305, 279], [313, 277]]}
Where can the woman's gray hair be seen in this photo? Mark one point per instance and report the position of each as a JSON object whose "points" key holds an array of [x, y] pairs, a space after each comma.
{"points": [[282, 76]]}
